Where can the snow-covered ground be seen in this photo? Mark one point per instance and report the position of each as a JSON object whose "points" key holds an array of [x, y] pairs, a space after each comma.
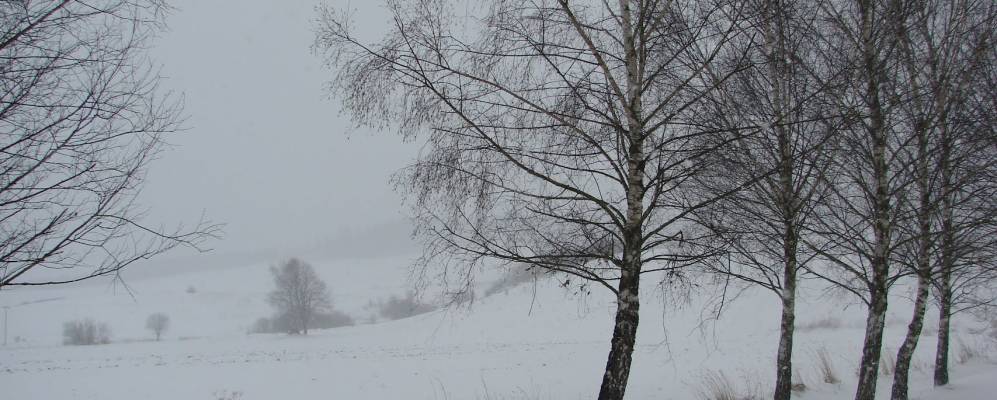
{"points": [[534, 341]]}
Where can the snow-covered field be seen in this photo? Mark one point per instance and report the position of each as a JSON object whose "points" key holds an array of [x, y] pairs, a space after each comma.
{"points": [[534, 341]]}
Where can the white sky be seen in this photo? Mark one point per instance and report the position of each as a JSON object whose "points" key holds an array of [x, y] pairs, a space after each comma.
{"points": [[268, 153]]}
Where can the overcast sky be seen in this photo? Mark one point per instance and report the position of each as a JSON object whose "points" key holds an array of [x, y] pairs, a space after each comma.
{"points": [[267, 151]]}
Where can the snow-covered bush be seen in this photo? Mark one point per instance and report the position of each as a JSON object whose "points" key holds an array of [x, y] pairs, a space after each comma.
{"points": [[85, 332], [967, 351], [402, 307], [515, 276], [262, 325], [227, 395], [282, 323], [332, 319]]}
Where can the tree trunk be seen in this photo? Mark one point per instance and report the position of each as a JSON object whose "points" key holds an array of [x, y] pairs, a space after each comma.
{"points": [[901, 373], [872, 348], [944, 322], [789, 199], [614, 382], [875, 75], [946, 263], [784, 360], [942, 351]]}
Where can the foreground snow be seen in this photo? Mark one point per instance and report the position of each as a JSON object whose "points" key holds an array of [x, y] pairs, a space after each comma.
{"points": [[529, 342]]}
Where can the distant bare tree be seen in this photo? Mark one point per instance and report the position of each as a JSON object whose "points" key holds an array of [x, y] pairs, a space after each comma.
{"points": [[299, 294], [559, 134], [81, 118], [85, 332], [158, 323]]}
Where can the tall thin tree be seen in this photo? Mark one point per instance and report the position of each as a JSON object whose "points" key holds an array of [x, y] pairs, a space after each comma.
{"points": [[941, 48], [757, 230], [855, 232], [558, 134]]}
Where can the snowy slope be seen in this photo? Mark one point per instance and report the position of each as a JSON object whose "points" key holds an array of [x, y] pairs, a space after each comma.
{"points": [[530, 342]]}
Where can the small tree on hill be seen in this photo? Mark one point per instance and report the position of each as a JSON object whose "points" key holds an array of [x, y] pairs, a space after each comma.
{"points": [[158, 323], [299, 294]]}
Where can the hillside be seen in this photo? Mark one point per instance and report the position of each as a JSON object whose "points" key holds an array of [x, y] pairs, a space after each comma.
{"points": [[532, 341]]}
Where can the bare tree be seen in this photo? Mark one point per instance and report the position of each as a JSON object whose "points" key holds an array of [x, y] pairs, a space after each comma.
{"points": [[559, 135], [299, 294], [943, 48], [81, 118], [158, 323], [85, 332], [757, 229], [854, 229], [966, 213]]}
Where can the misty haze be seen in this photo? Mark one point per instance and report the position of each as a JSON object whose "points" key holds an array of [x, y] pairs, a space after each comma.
{"points": [[498, 200]]}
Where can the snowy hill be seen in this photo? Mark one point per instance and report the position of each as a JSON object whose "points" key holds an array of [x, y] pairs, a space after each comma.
{"points": [[533, 341]]}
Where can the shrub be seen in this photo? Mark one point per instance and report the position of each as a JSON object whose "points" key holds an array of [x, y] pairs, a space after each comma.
{"points": [[402, 307], [227, 395], [966, 352], [262, 325], [85, 332], [798, 385], [282, 323], [332, 319]]}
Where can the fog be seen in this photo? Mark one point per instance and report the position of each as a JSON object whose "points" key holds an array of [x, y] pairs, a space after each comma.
{"points": [[266, 152]]}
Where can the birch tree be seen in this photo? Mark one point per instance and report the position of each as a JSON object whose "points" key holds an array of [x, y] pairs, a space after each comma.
{"points": [[966, 212], [558, 135], [757, 229], [943, 50], [855, 232]]}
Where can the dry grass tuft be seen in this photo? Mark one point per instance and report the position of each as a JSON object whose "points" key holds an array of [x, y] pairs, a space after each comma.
{"points": [[825, 367], [966, 352], [887, 364], [715, 385]]}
